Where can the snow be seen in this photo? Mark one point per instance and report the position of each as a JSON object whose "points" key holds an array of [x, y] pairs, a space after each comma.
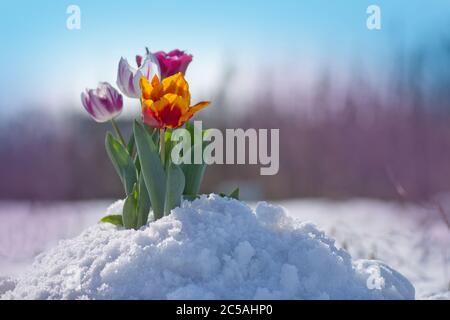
{"points": [[438, 296], [27, 229], [410, 238], [211, 248]]}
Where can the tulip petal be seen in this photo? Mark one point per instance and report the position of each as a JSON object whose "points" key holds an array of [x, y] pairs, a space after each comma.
{"points": [[166, 101], [193, 110], [129, 78], [177, 84], [126, 79], [199, 106], [183, 104], [139, 60], [150, 66], [150, 117], [146, 88], [158, 89], [155, 81], [170, 116]]}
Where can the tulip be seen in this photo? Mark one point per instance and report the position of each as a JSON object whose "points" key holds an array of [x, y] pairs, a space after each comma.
{"points": [[173, 62], [103, 103], [128, 77], [166, 104]]}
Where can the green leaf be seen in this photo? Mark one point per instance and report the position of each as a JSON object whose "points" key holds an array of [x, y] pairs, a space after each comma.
{"points": [[151, 131], [151, 169], [168, 145], [129, 213], [190, 197], [174, 187], [122, 162], [137, 164], [115, 219], [193, 172], [144, 203], [194, 175], [131, 144], [235, 194], [190, 127]]}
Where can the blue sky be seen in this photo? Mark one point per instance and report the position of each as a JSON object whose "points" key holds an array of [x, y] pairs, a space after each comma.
{"points": [[43, 63]]}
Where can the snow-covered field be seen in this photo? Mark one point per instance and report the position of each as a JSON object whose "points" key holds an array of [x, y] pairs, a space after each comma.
{"points": [[411, 239]]}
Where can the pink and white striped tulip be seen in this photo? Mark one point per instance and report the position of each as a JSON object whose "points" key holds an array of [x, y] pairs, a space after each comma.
{"points": [[103, 103], [128, 77]]}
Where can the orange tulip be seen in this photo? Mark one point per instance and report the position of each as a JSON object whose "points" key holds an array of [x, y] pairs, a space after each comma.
{"points": [[166, 104]]}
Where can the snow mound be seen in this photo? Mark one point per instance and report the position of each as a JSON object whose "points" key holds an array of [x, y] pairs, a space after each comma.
{"points": [[6, 284], [211, 248], [438, 296]]}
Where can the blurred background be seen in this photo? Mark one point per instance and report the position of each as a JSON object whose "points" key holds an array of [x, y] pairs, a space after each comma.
{"points": [[363, 114]]}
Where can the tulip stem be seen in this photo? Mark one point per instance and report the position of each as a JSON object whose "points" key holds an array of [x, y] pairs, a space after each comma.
{"points": [[119, 134], [162, 145]]}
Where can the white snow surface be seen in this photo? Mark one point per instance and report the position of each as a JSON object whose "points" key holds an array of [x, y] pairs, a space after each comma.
{"points": [[211, 248]]}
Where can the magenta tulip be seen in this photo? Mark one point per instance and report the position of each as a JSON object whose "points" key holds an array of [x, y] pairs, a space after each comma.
{"points": [[173, 62]]}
